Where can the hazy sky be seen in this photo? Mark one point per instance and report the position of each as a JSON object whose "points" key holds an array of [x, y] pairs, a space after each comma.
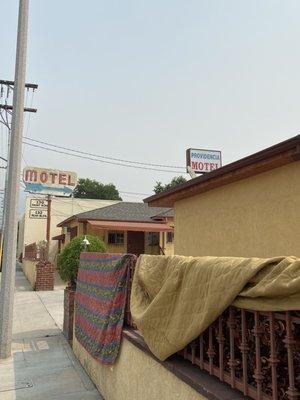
{"points": [[145, 80]]}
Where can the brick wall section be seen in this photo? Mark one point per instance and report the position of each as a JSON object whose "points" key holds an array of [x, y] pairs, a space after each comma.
{"points": [[69, 296], [44, 276]]}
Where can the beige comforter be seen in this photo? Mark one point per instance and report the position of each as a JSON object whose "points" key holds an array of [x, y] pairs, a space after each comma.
{"points": [[174, 299]]}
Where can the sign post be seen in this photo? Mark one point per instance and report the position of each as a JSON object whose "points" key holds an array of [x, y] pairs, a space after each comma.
{"points": [[48, 229]]}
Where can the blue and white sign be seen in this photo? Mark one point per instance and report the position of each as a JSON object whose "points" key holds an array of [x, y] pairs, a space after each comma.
{"points": [[202, 161], [48, 181]]}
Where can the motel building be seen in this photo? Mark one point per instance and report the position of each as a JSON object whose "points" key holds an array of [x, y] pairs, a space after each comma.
{"points": [[124, 227], [249, 208], [33, 223], [32, 227]]}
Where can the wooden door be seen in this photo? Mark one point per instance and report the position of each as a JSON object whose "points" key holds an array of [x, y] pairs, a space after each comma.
{"points": [[135, 242]]}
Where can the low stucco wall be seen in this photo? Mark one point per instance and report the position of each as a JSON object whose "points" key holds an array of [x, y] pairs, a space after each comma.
{"points": [[135, 376], [29, 269]]}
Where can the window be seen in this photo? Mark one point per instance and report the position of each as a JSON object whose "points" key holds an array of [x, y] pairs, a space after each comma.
{"points": [[73, 232], [170, 237], [153, 238], [115, 238]]}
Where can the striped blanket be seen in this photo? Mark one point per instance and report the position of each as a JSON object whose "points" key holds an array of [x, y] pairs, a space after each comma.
{"points": [[100, 301]]}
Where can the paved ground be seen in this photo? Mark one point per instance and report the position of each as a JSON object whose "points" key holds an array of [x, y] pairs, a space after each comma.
{"points": [[43, 366]]}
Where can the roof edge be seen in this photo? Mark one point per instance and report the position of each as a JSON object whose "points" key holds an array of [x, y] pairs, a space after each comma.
{"points": [[289, 147], [120, 220], [66, 220]]}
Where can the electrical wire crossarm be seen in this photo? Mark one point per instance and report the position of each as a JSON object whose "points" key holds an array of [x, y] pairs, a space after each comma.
{"points": [[11, 83], [26, 109]]}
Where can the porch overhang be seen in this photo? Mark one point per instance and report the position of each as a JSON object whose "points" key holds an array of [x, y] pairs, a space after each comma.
{"points": [[131, 226], [59, 237]]}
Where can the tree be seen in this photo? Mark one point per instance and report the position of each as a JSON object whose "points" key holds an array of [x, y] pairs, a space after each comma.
{"points": [[68, 259], [159, 187], [91, 189]]}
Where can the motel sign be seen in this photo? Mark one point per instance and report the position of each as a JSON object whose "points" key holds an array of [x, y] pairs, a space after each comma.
{"points": [[203, 161], [49, 181]]}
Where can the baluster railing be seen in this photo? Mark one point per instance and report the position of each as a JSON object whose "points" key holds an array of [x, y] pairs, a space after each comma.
{"points": [[244, 350], [290, 342], [201, 344], [273, 356], [245, 340], [221, 341], [257, 332], [210, 351], [232, 362]]}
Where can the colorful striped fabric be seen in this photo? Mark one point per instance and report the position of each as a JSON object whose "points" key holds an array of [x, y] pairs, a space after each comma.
{"points": [[100, 301]]}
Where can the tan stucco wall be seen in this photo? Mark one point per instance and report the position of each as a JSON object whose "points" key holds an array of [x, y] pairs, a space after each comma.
{"points": [[29, 269], [103, 235], [258, 216], [168, 247], [135, 376], [100, 233]]}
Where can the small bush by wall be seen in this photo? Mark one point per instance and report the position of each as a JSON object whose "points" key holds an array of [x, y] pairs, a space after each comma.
{"points": [[68, 259]]}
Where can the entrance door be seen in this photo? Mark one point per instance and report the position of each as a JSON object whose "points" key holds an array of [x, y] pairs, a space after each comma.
{"points": [[135, 242]]}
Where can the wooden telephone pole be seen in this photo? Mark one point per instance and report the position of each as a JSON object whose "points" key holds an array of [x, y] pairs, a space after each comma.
{"points": [[12, 192]]}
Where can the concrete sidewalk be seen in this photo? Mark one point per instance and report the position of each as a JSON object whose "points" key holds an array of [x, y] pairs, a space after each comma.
{"points": [[42, 366]]}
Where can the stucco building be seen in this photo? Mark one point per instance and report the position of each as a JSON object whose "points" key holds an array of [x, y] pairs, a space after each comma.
{"points": [[249, 208], [125, 227], [32, 226]]}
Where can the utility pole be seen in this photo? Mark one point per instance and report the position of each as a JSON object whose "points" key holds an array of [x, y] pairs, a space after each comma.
{"points": [[12, 192]]}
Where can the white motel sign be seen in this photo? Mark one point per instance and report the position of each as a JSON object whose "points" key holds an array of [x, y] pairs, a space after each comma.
{"points": [[203, 161], [49, 181], [37, 214]]}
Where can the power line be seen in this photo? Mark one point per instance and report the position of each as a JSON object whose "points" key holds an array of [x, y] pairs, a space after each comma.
{"points": [[120, 191], [134, 193], [102, 161], [100, 156]]}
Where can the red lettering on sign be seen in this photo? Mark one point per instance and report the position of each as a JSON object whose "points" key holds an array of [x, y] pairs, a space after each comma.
{"points": [[62, 178], [30, 176], [203, 166], [53, 175], [70, 182], [43, 177]]}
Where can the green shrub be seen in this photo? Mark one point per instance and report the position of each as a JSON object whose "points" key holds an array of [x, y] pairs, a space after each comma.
{"points": [[68, 259]]}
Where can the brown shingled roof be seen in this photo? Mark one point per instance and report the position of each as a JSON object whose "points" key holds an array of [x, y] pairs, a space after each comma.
{"points": [[123, 211]]}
